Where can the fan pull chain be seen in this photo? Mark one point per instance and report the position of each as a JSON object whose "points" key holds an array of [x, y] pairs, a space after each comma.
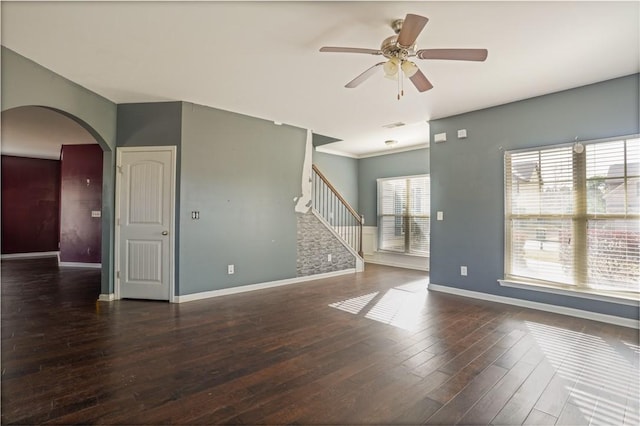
{"points": [[400, 81], [399, 78]]}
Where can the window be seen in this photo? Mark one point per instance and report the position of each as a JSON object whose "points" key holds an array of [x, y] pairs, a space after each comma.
{"points": [[403, 215], [572, 216]]}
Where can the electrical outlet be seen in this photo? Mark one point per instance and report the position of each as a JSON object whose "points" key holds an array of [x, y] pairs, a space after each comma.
{"points": [[328, 258], [463, 271], [230, 269]]}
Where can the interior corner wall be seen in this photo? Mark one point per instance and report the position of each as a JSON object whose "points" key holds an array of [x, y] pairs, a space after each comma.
{"points": [[26, 83], [467, 179], [80, 195], [242, 174], [30, 204], [342, 172], [370, 169]]}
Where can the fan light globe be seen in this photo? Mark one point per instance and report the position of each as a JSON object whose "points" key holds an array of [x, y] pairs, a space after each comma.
{"points": [[391, 67], [409, 68]]}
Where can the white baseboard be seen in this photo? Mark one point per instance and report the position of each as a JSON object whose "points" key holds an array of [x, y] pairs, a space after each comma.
{"points": [[80, 265], [30, 255], [579, 313], [107, 297], [259, 286], [396, 264], [398, 260]]}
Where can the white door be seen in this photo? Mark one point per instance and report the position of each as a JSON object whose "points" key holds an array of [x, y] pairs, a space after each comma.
{"points": [[145, 194]]}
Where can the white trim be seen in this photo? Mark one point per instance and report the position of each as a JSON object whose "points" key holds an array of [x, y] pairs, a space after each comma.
{"points": [[424, 145], [579, 313], [107, 297], [29, 255], [79, 265], [570, 292], [369, 240], [172, 225], [259, 286], [324, 150], [396, 264]]}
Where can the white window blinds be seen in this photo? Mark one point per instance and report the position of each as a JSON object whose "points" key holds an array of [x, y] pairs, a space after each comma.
{"points": [[403, 214], [572, 215]]}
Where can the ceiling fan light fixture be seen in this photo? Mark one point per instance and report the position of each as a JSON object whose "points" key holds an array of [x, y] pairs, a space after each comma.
{"points": [[409, 68]]}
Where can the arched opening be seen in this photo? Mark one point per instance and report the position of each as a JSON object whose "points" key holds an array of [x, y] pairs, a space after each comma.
{"points": [[52, 188]]}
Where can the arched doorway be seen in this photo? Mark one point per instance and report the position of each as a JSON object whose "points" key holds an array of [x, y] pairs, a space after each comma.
{"points": [[52, 188]]}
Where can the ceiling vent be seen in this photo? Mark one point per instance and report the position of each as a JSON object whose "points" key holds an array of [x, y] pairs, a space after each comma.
{"points": [[393, 125]]}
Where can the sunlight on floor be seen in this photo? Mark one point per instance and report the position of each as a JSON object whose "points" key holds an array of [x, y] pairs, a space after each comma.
{"points": [[601, 382], [355, 305], [400, 307]]}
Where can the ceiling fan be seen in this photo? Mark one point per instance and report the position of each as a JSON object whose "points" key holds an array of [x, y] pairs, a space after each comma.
{"points": [[399, 48]]}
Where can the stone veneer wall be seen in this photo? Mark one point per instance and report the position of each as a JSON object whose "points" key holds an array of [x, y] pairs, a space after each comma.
{"points": [[315, 243]]}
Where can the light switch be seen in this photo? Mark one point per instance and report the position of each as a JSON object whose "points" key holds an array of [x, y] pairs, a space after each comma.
{"points": [[439, 216], [96, 213], [462, 133]]}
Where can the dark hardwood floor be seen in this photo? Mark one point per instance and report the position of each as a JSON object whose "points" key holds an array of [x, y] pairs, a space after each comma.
{"points": [[371, 348]]}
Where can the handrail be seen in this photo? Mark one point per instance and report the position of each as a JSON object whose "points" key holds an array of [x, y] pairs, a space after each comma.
{"points": [[337, 194], [336, 211]]}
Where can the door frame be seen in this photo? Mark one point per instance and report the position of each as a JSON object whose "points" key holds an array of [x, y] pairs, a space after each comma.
{"points": [[172, 219]]}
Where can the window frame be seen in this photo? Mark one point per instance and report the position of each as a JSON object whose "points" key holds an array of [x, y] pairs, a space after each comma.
{"points": [[404, 218], [580, 218]]}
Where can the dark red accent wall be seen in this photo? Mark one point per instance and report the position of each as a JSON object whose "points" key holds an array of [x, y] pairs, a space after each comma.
{"points": [[81, 193], [30, 204]]}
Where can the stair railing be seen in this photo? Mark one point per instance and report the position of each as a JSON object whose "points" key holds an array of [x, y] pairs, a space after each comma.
{"points": [[336, 211]]}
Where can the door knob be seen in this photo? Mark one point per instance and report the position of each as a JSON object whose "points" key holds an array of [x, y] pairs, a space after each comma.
{"points": [[165, 233]]}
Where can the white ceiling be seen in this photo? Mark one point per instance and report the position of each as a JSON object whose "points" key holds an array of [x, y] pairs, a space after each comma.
{"points": [[262, 59]]}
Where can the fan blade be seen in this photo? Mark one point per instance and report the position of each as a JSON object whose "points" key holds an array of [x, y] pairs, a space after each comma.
{"points": [[362, 77], [453, 54], [421, 82], [411, 28], [350, 50]]}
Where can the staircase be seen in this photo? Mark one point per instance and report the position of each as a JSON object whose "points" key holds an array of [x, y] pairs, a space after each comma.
{"points": [[337, 214]]}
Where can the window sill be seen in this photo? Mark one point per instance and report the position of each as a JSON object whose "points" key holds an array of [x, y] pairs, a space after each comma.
{"points": [[593, 295]]}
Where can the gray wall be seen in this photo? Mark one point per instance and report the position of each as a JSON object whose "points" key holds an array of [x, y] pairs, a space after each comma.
{"points": [[342, 172], [150, 124], [26, 83], [241, 174], [391, 165], [467, 179]]}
